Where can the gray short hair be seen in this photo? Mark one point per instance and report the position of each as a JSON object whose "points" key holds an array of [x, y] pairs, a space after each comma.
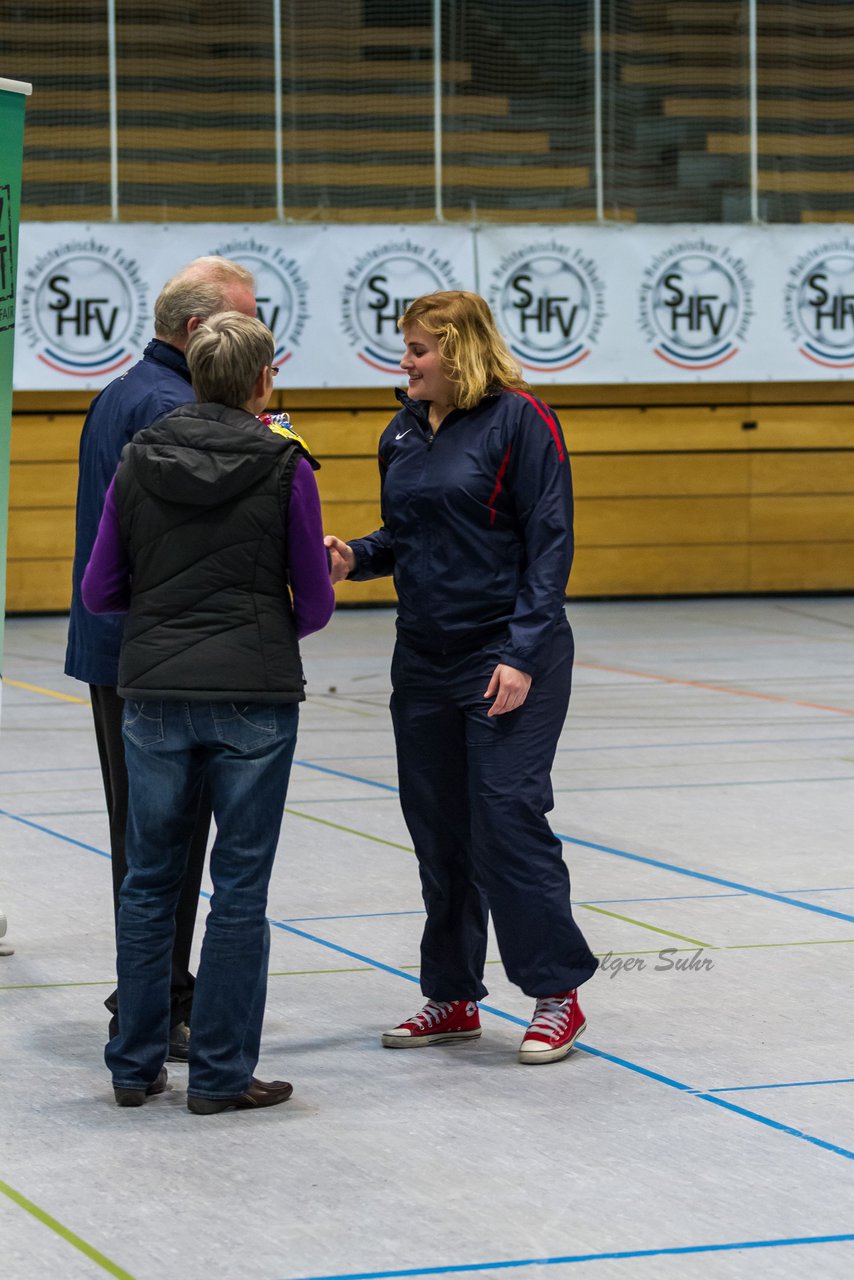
{"points": [[202, 288], [225, 356]]}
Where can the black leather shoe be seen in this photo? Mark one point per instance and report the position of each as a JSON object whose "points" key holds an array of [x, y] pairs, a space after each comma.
{"points": [[179, 1043], [261, 1093], [136, 1097]]}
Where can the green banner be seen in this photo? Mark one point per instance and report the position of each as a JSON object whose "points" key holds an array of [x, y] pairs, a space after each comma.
{"points": [[12, 98]]}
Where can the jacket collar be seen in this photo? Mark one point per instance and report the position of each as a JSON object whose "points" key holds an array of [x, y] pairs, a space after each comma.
{"points": [[420, 409], [164, 353]]}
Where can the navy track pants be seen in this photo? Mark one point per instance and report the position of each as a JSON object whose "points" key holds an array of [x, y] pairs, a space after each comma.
{"points": [[474, 793]]}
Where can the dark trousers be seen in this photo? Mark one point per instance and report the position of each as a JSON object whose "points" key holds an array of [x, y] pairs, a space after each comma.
{"points": [[107, 708], [474, 793]]}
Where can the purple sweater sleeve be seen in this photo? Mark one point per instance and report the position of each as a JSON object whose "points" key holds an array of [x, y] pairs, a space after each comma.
{"points": [[106, 579], [308, 567]]}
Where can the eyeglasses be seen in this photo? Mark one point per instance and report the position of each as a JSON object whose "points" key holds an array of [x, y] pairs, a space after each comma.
{"points": [[273, 370]]}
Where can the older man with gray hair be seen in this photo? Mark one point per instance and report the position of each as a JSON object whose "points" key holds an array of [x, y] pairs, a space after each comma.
{"points": [[156, 385]]}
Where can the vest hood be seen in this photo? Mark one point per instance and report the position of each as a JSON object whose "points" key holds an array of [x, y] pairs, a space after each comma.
{"points": [[176, 462]]}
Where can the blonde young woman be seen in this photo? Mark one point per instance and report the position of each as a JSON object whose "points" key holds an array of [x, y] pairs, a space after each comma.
{"points": [[477, 531]]}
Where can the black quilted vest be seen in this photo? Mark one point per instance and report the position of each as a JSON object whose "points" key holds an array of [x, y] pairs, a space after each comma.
{"points": [[202, 498]]}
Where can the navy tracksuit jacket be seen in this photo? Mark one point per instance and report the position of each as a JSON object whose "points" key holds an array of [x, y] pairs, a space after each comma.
{"points": [[477, 530]]}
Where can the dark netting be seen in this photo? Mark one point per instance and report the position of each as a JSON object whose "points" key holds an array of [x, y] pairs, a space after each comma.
{"points": [[673, 72], [61, 48], [199, 138], [806, 111], [196, 110], [358, 110], [518, 111]]}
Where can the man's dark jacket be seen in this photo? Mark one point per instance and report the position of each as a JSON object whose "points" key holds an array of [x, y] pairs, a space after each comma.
{"points": [[202, 498], [158, 383]]}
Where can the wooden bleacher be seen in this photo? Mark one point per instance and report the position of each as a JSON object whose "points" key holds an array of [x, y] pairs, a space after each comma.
{"points": [[684, 66], [357, 106]]}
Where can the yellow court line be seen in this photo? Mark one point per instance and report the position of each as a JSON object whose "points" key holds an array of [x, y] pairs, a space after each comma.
{"points": [[49, 693], [46, 1220]]}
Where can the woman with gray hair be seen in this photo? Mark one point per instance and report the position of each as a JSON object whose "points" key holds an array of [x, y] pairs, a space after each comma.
{"points": [[211, 541]]}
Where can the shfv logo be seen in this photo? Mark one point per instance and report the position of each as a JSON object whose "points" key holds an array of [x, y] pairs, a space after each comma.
{"points": [[695, 305], [549, 302], [819, 305], [83, 308], [379, 287], [281, 292]]}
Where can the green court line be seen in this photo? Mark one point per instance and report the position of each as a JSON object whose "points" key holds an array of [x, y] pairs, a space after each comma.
{"points": [[652, 951], [351, 831], [752, 946], [298, 973], [652, 928], [41, 986], [47, 1221]]}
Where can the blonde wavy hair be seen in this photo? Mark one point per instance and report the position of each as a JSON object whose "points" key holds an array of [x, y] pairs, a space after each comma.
{"points": [[473, 353]]}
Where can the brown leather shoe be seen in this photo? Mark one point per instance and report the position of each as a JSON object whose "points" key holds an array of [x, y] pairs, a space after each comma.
{"points": [[136, 1097], [261, 1093]]}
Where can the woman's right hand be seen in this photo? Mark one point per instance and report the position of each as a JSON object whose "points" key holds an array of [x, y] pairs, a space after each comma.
{"points": [[342, 558]]}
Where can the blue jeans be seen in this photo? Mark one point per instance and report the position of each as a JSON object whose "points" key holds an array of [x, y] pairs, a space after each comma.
{"points": [[243, 752]]}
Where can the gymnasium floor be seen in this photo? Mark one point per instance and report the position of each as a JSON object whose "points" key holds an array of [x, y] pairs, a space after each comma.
{"points": [[705, 792]]}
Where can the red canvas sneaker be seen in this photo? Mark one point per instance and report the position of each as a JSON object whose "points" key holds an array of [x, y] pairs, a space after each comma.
{"points": [[439, 1022], [556, 1025]]}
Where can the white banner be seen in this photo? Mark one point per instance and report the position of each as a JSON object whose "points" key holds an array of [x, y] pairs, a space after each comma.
{"points": [[634, 304]]}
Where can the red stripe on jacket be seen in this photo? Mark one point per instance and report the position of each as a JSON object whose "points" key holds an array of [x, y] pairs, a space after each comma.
{"points": [[548, 419], [499, 476]]}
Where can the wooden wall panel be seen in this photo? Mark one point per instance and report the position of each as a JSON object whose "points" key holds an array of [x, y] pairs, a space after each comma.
{"points": [[41, 533], [663, 570], [680, 489], [801, 471], [637, 522], [38, 586], [618, 475], [46, 484], [48, 438], [802, 566], [813, 518]]}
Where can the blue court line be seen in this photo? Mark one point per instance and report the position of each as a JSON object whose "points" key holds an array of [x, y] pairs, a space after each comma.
{"points": [[775, 1124], [36, 826], [635, 857], [584, 1048], [610, 1256], [791, 1084], [620, 853], [336, 773], [702, 875], [499, 1013]]}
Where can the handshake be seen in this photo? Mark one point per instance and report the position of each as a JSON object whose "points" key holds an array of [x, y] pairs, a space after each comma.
{"points": [[342, 560]]}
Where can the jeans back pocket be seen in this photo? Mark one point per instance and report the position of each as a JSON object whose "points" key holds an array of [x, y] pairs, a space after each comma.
{"points": [[244, 725], [142, 722]]}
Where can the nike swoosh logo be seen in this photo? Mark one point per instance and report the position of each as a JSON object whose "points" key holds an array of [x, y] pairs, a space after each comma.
{"points": [[401, 434]]}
